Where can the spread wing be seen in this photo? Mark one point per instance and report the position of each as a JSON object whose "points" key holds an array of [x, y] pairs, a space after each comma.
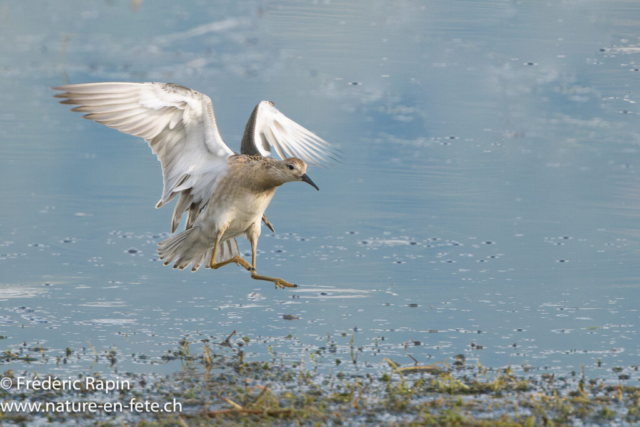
{"points": [[268, 128], [178, 124]]}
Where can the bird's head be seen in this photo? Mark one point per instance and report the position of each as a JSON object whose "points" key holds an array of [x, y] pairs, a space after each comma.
{"points": [[292, 169]]}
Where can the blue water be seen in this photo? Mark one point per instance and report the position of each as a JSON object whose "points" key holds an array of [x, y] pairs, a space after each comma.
{"points": [[488, 195]]}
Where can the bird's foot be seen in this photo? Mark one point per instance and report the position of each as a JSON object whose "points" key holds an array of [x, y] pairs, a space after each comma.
{"points": [[284, 284], [280, 283]]}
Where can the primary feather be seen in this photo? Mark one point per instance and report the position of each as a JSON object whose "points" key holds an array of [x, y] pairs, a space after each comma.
{"points": [[268, 127], [178, 124]]}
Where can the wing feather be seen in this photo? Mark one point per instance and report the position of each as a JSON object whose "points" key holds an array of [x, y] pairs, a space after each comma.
{"points": [[269, 129], [178, 124]]}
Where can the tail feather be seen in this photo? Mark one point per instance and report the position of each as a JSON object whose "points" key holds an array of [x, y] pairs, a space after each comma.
{"points": [[195, 265], [188, 247], [170, 245], [179, 247], [227, 249], [207, 257], [192, 214], [183, 203]]}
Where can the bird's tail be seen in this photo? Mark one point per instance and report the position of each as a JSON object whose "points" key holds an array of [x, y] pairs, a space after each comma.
{"points": [[188, 248], [227, 249]]}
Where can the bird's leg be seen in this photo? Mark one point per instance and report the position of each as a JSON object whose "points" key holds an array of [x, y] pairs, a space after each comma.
{"points": [[278, 282], [237, 259], [267, 223]]}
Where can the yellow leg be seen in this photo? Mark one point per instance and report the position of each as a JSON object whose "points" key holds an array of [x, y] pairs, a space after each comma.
{"points": [[237, 259], [278, 282]]}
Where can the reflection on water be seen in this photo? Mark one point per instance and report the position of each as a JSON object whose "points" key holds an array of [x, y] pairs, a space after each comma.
{"points": [[9, 291], [487, 204]]}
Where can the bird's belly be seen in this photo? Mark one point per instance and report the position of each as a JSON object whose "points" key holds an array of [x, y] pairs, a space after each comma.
{"points": [[245, 213], [238, 226]]}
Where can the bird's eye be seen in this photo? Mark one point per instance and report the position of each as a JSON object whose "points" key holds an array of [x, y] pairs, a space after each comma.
{"points": [[291, 167]]}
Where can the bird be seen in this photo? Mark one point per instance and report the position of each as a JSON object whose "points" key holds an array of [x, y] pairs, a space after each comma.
{"points": [[224, 193]]}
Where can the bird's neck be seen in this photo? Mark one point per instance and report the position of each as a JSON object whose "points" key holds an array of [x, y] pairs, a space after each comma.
{"points": [[262, 187], [263, 180]]}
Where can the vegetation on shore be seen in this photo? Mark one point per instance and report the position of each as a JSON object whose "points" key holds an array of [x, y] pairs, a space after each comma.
{"points": [[216, 385]]}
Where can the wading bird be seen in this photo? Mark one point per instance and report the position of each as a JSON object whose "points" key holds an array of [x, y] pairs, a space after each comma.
{"points": [[224, 194]]}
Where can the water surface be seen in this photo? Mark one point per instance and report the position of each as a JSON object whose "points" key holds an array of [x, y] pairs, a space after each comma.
{"points": [[487, 203]]}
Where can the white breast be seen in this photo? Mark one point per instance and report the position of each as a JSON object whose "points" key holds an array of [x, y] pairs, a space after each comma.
{"points": [[239, 210], [247, 210]]}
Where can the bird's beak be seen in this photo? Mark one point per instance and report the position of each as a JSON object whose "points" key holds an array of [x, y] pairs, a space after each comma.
{"points": [[306, 179]]}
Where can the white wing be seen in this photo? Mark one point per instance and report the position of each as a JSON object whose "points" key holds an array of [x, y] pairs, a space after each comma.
{"points": [[267, 127], [178, 124]]}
